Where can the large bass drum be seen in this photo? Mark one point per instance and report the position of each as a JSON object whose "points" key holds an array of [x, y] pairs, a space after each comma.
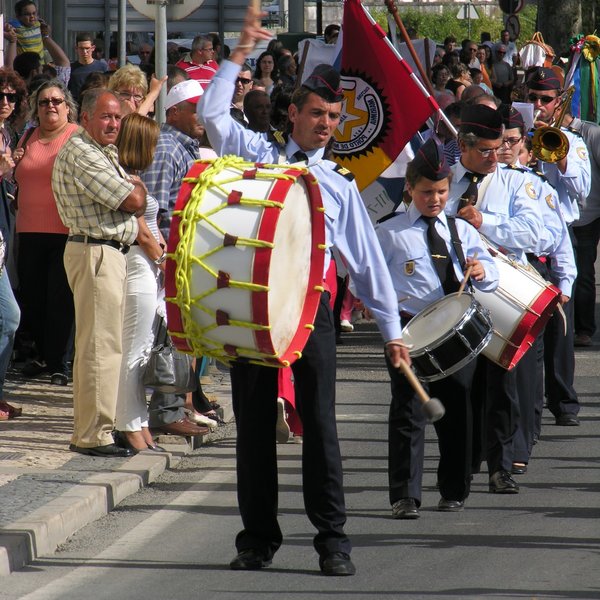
{"points": [[245, 259]]}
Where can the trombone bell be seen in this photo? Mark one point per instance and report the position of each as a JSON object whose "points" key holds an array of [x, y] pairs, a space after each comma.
{"points": [[549, 143]]}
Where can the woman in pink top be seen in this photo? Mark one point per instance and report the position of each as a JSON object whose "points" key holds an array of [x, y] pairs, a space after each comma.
{"points": [[46, 299]]}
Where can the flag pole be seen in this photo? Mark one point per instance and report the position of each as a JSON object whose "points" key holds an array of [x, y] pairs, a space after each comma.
{"points": [[426, 92], [391, 6]]}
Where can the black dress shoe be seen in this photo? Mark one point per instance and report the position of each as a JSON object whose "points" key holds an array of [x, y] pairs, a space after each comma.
{"points": [[567, 420], [249, 560], [108, 451], [450, 505], [405, 508], [501, 482], [337, 563]]}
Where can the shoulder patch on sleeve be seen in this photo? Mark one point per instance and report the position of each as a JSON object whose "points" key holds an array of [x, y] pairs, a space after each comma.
{"points": [[344, 172]]}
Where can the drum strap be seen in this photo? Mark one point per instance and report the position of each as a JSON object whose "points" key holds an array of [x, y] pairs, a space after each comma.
{"points": [[456, 243]]}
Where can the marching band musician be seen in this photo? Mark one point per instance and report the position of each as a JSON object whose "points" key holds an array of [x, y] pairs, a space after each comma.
{"points": [[412, 260], [571, 177], [314, 115], [555, 261], [495, 201]]}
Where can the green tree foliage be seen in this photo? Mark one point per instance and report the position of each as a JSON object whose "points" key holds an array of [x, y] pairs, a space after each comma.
{"points": [[437, 24]]}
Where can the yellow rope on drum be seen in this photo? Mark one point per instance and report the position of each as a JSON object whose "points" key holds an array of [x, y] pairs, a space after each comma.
{"points": [[196, 334]]}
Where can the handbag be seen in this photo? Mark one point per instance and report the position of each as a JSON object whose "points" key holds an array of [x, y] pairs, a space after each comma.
{"points": [[168, 370]]}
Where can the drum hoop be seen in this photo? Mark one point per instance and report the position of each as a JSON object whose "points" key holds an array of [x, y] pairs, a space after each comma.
{"points": [[529, 327], [186, 334]]}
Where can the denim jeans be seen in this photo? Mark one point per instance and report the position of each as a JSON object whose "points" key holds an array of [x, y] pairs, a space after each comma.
{"points": [[10, 316]]}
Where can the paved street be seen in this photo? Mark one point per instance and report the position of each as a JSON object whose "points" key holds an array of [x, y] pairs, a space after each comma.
{"points": [[174, 539]]}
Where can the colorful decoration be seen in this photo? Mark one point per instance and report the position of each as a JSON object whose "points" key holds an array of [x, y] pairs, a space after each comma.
{"points": [[583, 74]]}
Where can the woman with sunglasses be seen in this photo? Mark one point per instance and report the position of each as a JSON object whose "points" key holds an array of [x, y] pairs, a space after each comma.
{"points": [[12, 92], [46, 298]]}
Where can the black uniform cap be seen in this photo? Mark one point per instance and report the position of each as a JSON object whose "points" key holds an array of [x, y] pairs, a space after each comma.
{"points": [[430, 161], [325, 82], [543, 78], [482, 121]]}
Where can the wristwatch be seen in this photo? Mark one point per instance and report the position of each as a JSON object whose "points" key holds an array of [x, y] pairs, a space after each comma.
{"points": [[161, 259]]}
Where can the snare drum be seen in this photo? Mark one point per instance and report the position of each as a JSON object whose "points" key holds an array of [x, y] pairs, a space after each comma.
{"points": [[520, 307], [447, 335], [244, 271]]}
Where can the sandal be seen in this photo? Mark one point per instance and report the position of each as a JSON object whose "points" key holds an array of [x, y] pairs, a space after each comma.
{"points": [[12, 411]]}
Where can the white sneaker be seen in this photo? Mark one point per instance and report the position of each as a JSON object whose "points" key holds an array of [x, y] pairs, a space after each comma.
{"points": [[346, 326], [282, 429]]}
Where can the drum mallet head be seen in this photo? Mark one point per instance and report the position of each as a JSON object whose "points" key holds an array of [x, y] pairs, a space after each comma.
{"points": [[434, 410]]}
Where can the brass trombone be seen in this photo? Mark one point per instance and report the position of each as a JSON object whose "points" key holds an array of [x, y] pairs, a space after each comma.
{"points": [[549, 143]]}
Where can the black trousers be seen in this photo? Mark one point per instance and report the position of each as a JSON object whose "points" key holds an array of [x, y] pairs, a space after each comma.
{"points": [[406, 436], [254, 390], [496, 422], [45, 296]]}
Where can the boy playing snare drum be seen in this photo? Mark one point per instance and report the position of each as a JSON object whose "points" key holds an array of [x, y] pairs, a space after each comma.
{"points": [[426, 253]]}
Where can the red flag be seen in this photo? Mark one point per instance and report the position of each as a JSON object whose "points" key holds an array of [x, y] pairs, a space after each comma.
{"points": [[384, 104]]}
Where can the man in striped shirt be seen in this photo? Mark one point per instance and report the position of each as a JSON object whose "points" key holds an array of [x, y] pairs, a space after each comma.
{"points": [[201, 65]]}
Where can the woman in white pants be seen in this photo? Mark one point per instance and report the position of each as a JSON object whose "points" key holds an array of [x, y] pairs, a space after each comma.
{"points": [[145, 264]]}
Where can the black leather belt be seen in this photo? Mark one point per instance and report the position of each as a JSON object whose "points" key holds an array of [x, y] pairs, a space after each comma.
{"points": [[86, 239]]}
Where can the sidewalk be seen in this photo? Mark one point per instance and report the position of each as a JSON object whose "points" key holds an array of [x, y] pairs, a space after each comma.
{"points": [[47, 492]]}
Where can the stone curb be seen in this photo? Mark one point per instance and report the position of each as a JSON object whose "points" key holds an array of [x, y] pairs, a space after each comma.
{"points": [[43, 530]]}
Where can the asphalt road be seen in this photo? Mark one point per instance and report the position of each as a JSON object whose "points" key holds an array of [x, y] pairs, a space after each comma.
{"points": [[174, 539]]}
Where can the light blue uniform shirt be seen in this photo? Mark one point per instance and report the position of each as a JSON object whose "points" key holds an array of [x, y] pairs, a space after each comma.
{"points": [[511, 218], [347, 224], [403, 239], [555, 241], [573, 186]]}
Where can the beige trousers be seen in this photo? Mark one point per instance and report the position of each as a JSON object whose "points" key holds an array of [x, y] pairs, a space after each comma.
{"points": [[97, 275]]}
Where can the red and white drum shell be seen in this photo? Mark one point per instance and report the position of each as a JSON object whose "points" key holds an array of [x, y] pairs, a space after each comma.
{"points": [[244, 271], [520, 308]]}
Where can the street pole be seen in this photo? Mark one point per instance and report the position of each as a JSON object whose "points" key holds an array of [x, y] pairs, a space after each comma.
{"points": [[160, 53], [122, 34]]}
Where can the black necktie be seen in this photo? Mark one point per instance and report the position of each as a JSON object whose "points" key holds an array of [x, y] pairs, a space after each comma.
{"points": [[469, 198], [440, 254], [299, 157]]}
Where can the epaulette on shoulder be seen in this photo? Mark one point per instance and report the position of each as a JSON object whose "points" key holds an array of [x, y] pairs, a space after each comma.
{"points": [[574, 132], [277, 136], [515, 168], [540, 175], [344, 172]]}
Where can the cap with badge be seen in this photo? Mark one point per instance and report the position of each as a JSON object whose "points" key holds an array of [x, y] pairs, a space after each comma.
{"points": [[325, 82], [512, 118], [482, 121], [430, 162], [543, 78], [189, 91]]}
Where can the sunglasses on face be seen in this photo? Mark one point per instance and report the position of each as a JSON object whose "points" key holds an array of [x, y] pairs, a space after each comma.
{"points": [[244, 80], [542, 99], [49, 101], [10, 97]]}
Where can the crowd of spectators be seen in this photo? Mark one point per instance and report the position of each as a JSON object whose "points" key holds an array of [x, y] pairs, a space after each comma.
{"points": [[50, 112]]}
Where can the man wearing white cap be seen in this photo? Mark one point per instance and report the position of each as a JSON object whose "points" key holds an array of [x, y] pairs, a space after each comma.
{"points": [[176, 151]]}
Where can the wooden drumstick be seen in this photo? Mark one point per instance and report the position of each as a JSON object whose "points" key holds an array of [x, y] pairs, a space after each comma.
{"points": [[434, 410], [463, 283]]}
